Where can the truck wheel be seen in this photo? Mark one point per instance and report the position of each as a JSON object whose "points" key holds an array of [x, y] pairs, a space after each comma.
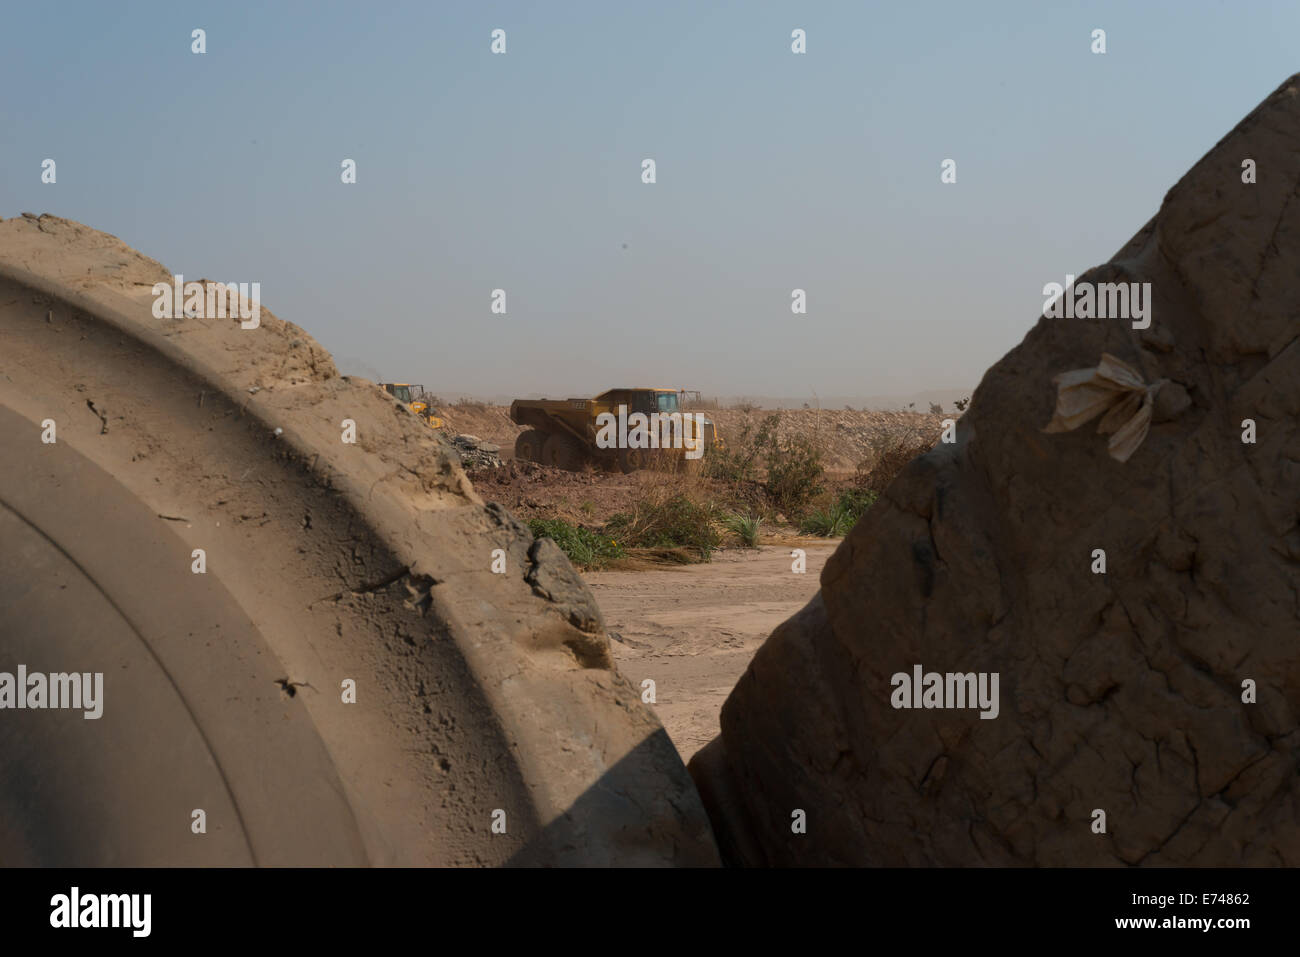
{"points": [[295, 641], [562, 451], [632, 460], [528, 447]]}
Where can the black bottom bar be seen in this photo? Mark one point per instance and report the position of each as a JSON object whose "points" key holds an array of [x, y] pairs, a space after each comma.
{"points": [[298, 907]]}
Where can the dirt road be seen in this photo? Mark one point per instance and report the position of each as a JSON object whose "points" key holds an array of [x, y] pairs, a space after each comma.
{"points": [[694, 629]]}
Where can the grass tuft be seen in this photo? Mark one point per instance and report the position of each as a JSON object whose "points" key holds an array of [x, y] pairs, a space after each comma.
{"points": [[744, 527], [586, 547]]}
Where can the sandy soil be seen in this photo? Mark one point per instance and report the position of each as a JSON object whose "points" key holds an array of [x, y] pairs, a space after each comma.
{"points": [[693, 629]]}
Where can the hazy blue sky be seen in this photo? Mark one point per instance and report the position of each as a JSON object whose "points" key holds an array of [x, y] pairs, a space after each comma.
{"points": [[523, 171]]}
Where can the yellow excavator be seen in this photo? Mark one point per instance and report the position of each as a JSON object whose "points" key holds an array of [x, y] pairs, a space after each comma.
{"points": [[414, 397]]}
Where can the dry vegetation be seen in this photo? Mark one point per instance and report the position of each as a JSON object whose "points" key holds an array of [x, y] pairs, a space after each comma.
{"points": [[781, 475]]}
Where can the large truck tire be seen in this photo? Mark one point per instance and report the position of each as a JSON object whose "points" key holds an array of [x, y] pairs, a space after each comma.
{"points": [[528, 445], [306, 655], [563, 451]]}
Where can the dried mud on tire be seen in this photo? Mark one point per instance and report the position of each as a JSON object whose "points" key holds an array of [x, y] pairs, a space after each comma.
{"points": [[326, 562]]}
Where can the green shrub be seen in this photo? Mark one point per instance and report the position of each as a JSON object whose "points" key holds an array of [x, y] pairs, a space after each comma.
{"points": [[671, 523], [838, 519], [833, 522], [857, 500], [793, 468], [794, 474], [584, 546], [744, 527]]}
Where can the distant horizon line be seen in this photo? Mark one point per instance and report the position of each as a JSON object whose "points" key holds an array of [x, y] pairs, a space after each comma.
{"points": [[944, 397]]}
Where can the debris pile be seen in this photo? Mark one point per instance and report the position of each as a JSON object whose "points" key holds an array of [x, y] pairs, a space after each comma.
{"points": [[475, 453]]}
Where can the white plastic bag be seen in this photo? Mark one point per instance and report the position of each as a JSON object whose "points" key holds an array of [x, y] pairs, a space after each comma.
{"points": [[1114, 388]]}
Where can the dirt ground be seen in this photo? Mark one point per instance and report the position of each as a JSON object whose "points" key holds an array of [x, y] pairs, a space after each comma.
{"points": [[693, 629], [589, 497]]}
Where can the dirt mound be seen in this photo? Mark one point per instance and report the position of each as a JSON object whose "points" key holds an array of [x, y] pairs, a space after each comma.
{"points": [[346, 679], [530, 490], [1147, 713], [491, 423], [848, 438]]}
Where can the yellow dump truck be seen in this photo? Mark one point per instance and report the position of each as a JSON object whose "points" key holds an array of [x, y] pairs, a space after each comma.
{"points": [[622, 429], [414, 398]]}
